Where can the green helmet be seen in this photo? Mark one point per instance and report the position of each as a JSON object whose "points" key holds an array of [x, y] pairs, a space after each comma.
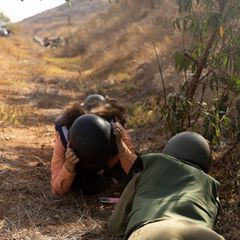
{"points": [[190, 146], [93, 100]]}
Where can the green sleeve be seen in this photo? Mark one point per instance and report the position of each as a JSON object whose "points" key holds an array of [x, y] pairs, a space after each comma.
{"points": [[119, 219]]}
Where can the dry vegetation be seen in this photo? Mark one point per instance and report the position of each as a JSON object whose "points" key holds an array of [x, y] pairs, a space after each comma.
{"points": [[112, 54], [123, 40]]}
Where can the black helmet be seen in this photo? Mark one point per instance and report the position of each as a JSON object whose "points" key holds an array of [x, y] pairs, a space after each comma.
{"points": [[93, 100], [190, 146], [91, 138]]}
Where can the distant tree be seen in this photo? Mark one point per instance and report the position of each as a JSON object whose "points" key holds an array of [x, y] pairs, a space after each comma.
{"points": [[68, 1], [4, 18]]}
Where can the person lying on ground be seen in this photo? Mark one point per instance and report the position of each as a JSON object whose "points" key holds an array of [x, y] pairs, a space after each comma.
{"points": [[66, 172], [172, 197]]}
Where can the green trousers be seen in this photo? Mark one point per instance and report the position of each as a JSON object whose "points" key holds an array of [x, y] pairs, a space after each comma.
{"points": [[174, 230]]}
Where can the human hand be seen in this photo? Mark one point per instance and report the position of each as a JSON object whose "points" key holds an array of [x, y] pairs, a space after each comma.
{"points": [[118, 132], [71, 159]]}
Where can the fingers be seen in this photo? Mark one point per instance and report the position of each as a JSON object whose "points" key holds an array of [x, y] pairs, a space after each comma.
{"points": [[117, 129], [119, 125], [118, 132], [71, 156]]}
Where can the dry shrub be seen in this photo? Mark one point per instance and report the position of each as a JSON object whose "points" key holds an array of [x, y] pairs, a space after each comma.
{"points": [[10, 115], [144, 114], [120, 35]]}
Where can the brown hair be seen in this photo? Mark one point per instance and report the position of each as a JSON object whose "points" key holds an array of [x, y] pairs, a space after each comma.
{"points": [[71, 113], [113, 102], [108, 110]]}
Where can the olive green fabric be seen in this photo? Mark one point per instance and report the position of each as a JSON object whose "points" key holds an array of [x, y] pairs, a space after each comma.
{"points": [[167, 188], [119, 219], [171, 189]]}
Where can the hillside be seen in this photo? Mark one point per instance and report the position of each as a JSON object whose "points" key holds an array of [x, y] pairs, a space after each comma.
{"points": [[52, 22], [111, 52]]}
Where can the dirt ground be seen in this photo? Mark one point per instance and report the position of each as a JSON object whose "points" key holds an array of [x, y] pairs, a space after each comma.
{"points": [[29, 105]]}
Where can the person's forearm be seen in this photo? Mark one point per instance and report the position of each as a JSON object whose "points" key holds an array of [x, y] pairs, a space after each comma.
{"points": [[62, 182], [61, 179], [127, 140], [126, 156]]}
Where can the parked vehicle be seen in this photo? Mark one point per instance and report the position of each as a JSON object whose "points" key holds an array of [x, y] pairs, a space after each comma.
{"points": [[4, 32]]}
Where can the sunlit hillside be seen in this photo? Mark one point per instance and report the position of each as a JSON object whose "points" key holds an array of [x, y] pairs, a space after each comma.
{"points": [[124, 49], [118, 45], [64, 18]]}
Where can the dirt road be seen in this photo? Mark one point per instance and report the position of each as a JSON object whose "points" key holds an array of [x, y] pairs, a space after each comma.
{"points": [[33, 91]]}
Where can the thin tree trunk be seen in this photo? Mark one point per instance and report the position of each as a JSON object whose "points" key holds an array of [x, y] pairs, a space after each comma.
{"points": [[195, 79]]}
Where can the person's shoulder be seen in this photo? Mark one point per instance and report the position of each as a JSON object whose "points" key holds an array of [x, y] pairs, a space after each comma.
{"points": [[150, 158], [154, 155], [212, 179]]}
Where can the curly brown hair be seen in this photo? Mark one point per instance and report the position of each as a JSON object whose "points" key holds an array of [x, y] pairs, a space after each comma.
{"points": [[110, 110], [72, 112], [115, 104]]}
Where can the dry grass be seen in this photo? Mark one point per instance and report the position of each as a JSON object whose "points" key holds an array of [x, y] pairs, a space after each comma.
{"points": [[28, 109], [144, 114], [34, 213], [117, 59], [10, 115], [129, 36]]}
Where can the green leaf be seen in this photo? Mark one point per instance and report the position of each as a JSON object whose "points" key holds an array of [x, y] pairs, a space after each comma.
{"points": [[185, 5], [182, 63], [208, 3], [177, 24]]}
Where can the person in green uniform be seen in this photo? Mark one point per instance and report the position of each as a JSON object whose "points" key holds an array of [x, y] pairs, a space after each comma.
{"points": [[172, 197]]}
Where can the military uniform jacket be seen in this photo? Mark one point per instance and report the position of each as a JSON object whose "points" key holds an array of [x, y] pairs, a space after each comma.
{"points": [[167, 188]]}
